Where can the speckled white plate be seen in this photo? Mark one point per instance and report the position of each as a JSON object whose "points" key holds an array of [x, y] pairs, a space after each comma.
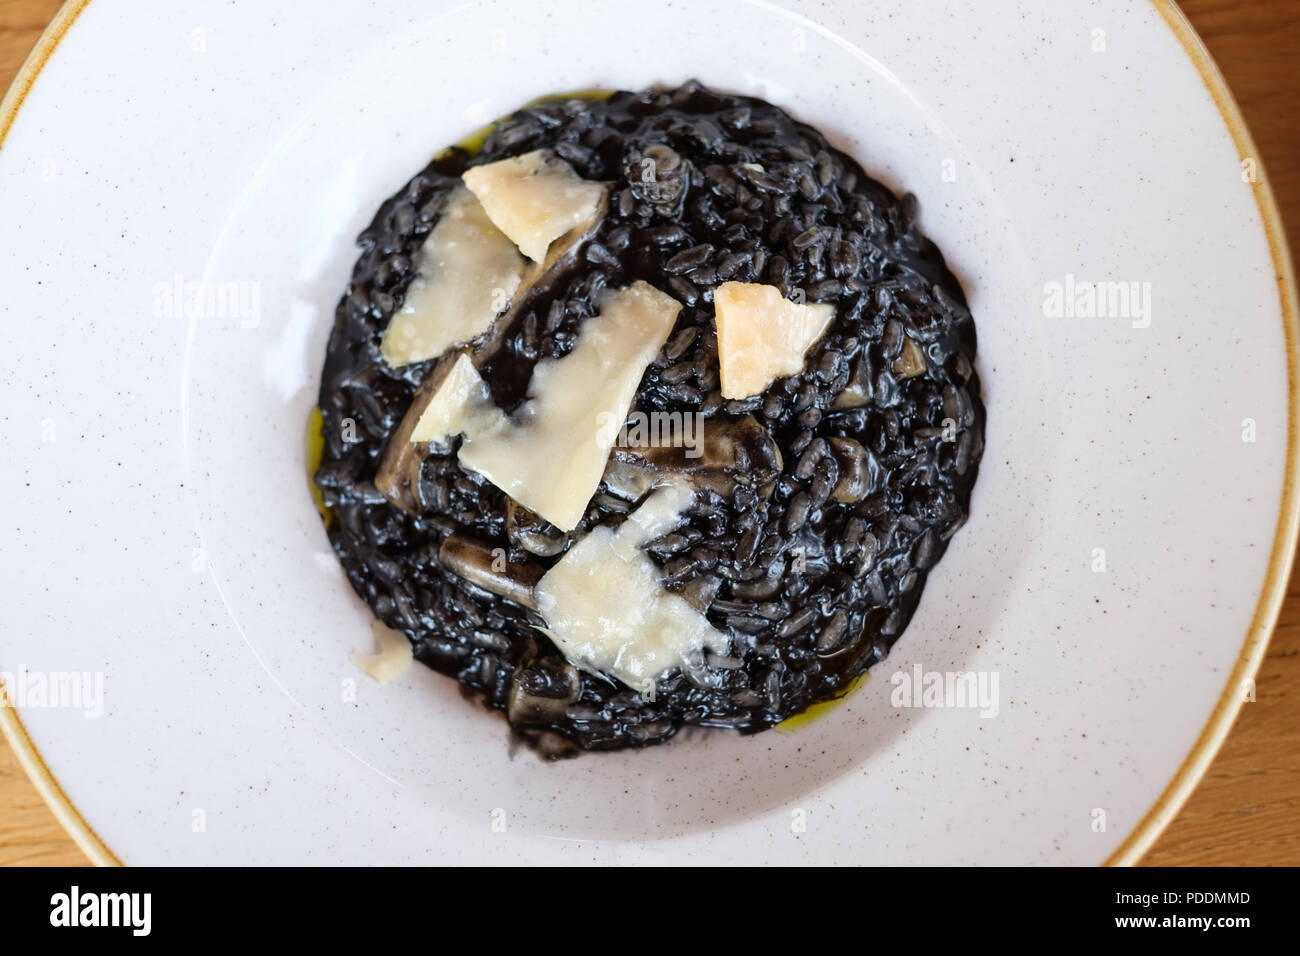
{"points": [[1119, 574]]}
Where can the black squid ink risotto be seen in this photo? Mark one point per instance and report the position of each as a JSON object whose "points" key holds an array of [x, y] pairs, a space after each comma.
{"points": [[652, 410]]}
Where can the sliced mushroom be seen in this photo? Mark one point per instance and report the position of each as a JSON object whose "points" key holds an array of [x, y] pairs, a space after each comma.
{"points": [[399, 470], [487, 568], [526, 530], [911, 360], [855, 471], [699, 592], [734, 451], [858, 391], [540, 692]]}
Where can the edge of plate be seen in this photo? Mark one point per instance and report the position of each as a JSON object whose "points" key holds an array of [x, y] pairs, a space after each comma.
{"points": [[1269, 606], [10, 723], [1285, 537]]}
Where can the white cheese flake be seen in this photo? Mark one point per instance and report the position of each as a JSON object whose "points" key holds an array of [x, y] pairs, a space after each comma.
{"points": [[534, 198], [551, 455], [607, 610], [462, 403], [658, 514], [466, 273], [393, 654], [762, 336]]}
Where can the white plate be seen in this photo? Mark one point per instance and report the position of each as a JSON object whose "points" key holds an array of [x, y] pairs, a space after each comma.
{"points": [[158, 531]]}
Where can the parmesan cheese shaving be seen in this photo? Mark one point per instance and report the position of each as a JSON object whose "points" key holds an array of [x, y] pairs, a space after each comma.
{"points": [[393, 654], [551, 456], [462, 403], [467, 272], [606, 608], [534, 198], [762, 336]]}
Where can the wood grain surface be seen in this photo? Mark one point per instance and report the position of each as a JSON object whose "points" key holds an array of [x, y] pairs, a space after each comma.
{"points": [[1245, 809]]}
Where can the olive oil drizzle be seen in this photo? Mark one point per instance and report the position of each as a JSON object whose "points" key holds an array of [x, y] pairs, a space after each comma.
{"points": [[315, 445], [819, 710], [472, 143]]}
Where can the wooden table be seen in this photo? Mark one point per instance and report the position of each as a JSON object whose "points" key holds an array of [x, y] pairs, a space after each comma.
{"points": [[1245, 809]]}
